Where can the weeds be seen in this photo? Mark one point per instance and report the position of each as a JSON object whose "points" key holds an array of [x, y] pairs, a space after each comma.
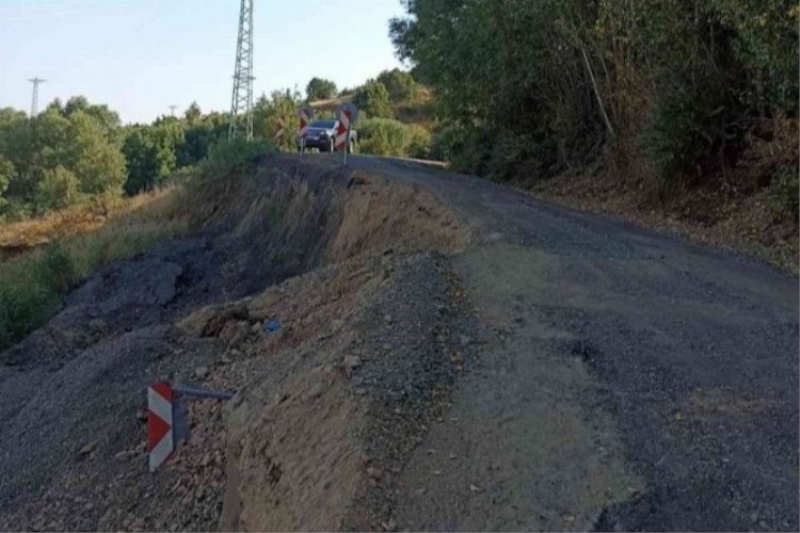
{"points": [[34, 284]]}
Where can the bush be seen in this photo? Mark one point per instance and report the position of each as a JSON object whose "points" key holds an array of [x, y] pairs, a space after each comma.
{"points": [[373, 98], [57, 189], [386, 137], [229, 156], [420, 143], [785, 190]]}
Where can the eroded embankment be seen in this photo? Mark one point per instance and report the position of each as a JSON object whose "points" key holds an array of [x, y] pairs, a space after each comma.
{"points": [[373, 332]]}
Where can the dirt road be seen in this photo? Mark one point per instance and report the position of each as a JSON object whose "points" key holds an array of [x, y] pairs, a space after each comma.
{"points": [[638, 382], [554, 370]]}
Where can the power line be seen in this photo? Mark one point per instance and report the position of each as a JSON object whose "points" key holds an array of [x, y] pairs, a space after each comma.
{"points": [[242, 98], [35, 96]]}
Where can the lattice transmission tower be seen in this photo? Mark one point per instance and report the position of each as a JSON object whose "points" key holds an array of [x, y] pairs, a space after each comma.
{"points": [[35, 95], [242, 99]]}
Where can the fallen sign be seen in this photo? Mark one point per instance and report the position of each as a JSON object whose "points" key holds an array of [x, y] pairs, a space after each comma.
{"points": [[166, 422]]}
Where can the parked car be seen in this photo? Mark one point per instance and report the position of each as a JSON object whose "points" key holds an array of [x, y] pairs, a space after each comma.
{"points": [[321, 134]]}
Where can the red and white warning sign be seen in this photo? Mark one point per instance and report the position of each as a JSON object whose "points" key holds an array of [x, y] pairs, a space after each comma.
{"points": [[279, 129], [160, 434], [343, 131], [305, 114]]}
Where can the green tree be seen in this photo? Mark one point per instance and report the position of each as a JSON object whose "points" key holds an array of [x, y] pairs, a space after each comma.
{"points": [[57, 189], [281, 105], [193, 114], [151, 154], [373, 99], [400, 84], [320, 89]]}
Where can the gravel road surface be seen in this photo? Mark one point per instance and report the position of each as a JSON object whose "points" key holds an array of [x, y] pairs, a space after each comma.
{"points": [[637, 382]]}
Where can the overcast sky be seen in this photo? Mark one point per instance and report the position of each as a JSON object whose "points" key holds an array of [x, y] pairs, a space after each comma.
{"points": [[141, 56]]}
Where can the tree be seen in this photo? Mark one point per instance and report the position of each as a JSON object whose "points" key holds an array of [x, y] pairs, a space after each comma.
{"points": [[193, 114], [57, 189], [400, 84], [280, 105], [151, 155], [373, 99], [320, 89]]}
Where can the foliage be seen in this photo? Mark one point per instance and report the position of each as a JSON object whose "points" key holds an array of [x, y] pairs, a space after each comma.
{"points": [[320, 89], [547, 85], [389, 137], [785, 190], [373, 99], [230, 156], [151, 154], [281, 105], [34, 284], [58, 189], [401, 85]]}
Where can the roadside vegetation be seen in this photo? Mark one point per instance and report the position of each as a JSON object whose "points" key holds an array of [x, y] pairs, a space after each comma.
{"points": [[43, 258], [686, 109]]}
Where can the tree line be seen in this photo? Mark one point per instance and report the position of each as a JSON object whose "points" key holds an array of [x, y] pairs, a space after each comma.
{"points": [[75, 150], [546, 86]]}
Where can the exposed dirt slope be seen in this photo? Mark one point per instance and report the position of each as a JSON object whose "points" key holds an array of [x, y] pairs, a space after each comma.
{"points": [[73, 435]]}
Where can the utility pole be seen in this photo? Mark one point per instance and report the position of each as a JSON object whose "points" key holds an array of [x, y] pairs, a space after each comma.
{"points": [[35, 96], [172, 109], [242, 98]]}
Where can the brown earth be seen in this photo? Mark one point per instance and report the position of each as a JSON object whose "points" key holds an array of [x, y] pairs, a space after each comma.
{"points": [[532, 368], [733, 207]]}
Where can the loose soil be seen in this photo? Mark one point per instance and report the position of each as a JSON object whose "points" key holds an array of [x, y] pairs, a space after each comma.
{"points": [[452, 355]]}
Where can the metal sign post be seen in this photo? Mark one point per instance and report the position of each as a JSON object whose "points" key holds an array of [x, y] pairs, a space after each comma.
{"points": [[166, 422]]}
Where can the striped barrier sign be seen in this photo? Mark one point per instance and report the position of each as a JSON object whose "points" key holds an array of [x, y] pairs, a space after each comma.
{"points": [[305, 114], [279, 129], [160, 434], [347, 113], [166, 422], [343, 130]]}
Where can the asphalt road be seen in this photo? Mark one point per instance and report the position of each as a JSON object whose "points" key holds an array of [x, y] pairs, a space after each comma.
{"points": [[636, 382]]}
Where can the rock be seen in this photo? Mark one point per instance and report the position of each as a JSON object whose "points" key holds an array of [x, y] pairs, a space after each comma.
{"points": [[137, 525], [465, 341], [317, 390], [473, 488], [87, 449], [387, 319], [350, 363], [141, 415], [374, 473], [201, 372]]}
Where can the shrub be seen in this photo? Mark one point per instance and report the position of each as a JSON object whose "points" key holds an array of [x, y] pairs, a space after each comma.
{"points": [[386, 137], [420, 143], [234, 155], [785, 190], [373, 97], [57, 189]]}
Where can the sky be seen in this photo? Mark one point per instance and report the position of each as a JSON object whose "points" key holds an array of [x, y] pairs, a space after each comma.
{"points": [[141, 56]]}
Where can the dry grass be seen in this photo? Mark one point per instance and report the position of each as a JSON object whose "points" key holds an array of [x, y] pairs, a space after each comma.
{"points": [[79, 220], [44, 258], [735, 208]]}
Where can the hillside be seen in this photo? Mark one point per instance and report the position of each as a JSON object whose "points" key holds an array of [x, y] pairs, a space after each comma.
{"points": [[449, 354]]}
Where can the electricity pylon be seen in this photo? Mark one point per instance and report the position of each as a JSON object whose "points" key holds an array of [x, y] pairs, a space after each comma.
{"points": [[35, 96], [242, 99]]}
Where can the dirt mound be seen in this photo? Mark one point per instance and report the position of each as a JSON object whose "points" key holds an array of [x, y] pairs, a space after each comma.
{"points": [[315, 249]]}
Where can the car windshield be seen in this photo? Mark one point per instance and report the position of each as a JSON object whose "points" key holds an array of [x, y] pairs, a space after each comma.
{"points": [[324, 124]]}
